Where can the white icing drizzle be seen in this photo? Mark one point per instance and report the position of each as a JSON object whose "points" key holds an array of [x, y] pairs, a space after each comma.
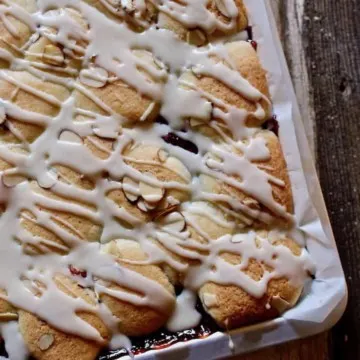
{"points": [[94, 144]]}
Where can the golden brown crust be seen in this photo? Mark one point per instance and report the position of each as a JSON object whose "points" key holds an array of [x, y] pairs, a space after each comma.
{"points": [[7, 311], [232, 307], [26, 99], [275, 165], [136, 320], [14, 40], [187, 34], [154, 161], [247, 63], [120, 98], [68, 220], [47, 343]]}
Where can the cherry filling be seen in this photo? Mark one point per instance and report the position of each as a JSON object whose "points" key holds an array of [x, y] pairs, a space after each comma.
{"points": [[77, 272], [249, 31], [254, 44], [176, 140], [164, 338], [272, 125]]}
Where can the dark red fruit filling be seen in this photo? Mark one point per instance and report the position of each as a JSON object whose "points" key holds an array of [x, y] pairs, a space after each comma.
{"points": [[272, 125], [77, 272], [175, 140], [249, 31], [164, 338], [254, 44]]}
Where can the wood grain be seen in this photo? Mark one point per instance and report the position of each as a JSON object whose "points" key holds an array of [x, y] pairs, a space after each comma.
{"points": [[321, 40], [331, 40]]}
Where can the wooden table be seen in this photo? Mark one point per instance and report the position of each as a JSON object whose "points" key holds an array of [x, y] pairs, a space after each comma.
{"points": [[321, 40]]}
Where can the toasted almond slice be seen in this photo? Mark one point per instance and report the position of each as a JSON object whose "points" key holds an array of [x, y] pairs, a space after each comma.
{"points": [[127, 5], [177, 166], [53, 55], [173, 221], [251, 203], [159, 64], [8, 316], [162, 155], [279, 304], [195, 122], [172, 201], [196, 37], [222, 8], [148, 111], [209, 300], [70, 136], [151, 194], [150, 206], [45, 341], [141, 205], [2, 114], [11, 180], [96, 77], [130, 188]]}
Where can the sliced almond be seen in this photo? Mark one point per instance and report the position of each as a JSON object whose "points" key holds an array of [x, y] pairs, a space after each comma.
{"points": [[8, 316], [45, 341], [177, 166], [195, 122], [96, 77], [162, 155], [196, 37], [141, 205], [151, 194], [2, 114], [150, 206], [149, 110], [11, 180], [222, 8], [160, 65], [209, 300], [130, 188], [70, 136], [279, 304], [172, 201], [173, 221], [53, 55], [127, 5], [251, 203]]}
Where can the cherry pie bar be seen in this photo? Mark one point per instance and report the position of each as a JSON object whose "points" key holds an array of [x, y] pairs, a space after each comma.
{"points": [[144, 192]]}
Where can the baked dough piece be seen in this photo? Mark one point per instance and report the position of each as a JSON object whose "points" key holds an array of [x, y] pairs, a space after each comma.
{"points": [[156, 164], [69, 224], [7, 311], [129, 11], [47, 343], [232, 307], [14, 31], [257, 109], [102, 92], [223, 23], [32, 94], [50, 52], [257, 206], [136, 320]]}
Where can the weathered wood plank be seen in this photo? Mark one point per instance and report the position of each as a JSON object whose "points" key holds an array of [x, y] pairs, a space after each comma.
{"points": [[333, 59], [290, 18], [307, 349]]}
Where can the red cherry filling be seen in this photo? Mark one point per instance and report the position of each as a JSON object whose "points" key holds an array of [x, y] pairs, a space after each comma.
{"points": [[175, 140], [77, 272], [272, 125]]}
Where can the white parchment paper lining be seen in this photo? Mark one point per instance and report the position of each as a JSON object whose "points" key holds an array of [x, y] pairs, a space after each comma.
{"points": [[324, 300]]}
